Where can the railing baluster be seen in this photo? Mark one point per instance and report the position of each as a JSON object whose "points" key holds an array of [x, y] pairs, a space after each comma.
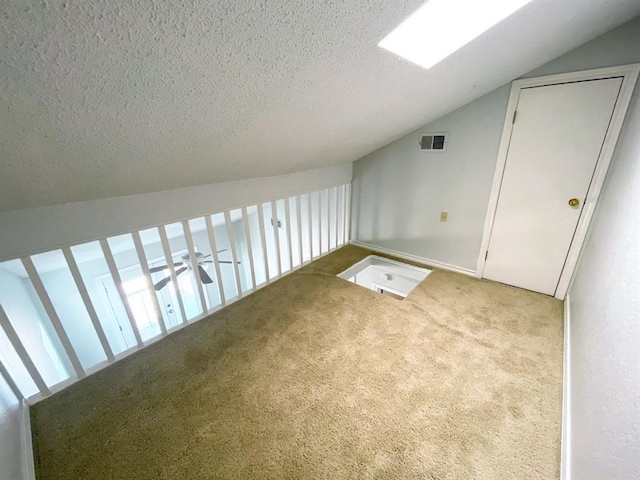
{"points": [[168, 257], [247, 235], [263, 242], [328, 190], [53, 316], [276, 235], [319, 223], [214, 256], [4, 374], [347, 219], [310, 225], [234, 254], [113, 269], [88, 304], [18, 346], [299, 218], [344, 213], [335, 216], [147, 275], [287, 215], [194, 264]]}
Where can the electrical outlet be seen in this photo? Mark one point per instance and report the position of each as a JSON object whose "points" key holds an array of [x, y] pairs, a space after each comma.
{"points": [[444, 216]]}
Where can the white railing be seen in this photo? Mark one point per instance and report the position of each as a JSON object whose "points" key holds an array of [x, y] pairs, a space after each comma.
{"points": [[68, 313]]}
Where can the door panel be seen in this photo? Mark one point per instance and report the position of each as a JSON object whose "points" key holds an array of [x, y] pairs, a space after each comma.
{"points": [[554, 148]]}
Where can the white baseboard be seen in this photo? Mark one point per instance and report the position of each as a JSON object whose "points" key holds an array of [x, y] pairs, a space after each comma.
{"points": [[565, 449], [27, 444], [415, 258]]}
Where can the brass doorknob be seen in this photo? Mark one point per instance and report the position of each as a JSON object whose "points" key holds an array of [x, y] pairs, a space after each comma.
{"points": [[574, 202]]}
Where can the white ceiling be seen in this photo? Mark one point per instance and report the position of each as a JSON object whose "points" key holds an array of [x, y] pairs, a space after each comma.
{"points": [[109, 98]]}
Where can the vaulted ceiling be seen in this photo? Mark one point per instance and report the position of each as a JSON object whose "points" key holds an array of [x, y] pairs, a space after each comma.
{"points": [[105, 98]]}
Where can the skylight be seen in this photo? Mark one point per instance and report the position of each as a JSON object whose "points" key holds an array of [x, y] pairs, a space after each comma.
{"points": [[440, 27]]}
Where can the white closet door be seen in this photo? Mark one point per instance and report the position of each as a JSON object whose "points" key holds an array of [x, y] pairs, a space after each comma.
{"points": [[555, 144]]}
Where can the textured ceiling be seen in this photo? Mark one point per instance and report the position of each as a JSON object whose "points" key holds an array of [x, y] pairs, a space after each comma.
{"points": [[105, 98]]}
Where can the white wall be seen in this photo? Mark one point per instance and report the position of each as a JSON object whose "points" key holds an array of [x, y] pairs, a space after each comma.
{"points": [[399, 192], [604, 306], [16, 461], [29, 231]]}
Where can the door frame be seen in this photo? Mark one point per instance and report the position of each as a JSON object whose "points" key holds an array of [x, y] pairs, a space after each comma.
{"points": [[629, 74]]}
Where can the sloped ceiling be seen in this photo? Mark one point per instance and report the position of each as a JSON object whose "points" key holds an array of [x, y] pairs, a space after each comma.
{"points": [[105, 98]]}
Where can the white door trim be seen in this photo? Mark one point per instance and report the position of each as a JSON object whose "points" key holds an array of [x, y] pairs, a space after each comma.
{"points": [[630, 75]]}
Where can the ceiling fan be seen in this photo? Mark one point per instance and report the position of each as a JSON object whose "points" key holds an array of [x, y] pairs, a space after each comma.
{"points": [[186, 265]]}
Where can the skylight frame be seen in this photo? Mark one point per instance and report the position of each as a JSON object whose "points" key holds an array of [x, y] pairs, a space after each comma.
{"points": [[439, 28]]}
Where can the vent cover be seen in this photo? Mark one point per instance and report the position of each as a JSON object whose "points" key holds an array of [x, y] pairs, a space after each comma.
{"points": [[433, 142]]}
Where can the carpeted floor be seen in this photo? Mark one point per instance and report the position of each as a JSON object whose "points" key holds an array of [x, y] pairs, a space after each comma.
{"points": [[315, 377]]}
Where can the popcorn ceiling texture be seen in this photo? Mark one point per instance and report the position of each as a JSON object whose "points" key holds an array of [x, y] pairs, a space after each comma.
{"points": [[106, 98]]}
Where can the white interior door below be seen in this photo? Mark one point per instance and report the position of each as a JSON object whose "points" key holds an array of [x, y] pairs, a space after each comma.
{"points": [[555, 145]]}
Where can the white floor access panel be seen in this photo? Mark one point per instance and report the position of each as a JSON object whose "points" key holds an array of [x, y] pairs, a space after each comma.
{"points": [[385, 276]]}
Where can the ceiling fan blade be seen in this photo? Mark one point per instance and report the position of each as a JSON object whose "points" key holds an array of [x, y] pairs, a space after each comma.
{"points": [[223, 250], [163, 283], [228, 261], [203, 275], [182, 269], [162, 268]]}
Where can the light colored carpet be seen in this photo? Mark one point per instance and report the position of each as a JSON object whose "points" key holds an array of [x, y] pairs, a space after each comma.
{"points": [[315, 377]]}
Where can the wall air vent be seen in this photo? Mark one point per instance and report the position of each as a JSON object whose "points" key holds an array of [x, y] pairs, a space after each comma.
{"points": [[433, 142]]}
